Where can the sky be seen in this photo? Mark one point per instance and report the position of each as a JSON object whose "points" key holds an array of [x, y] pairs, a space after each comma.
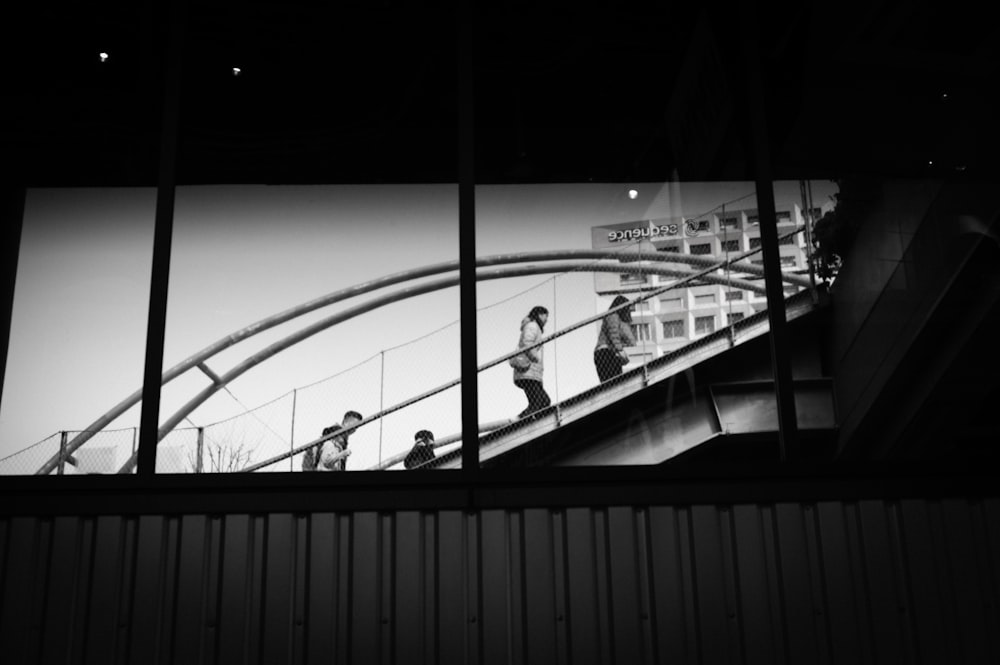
{"points": [[242, 253]]}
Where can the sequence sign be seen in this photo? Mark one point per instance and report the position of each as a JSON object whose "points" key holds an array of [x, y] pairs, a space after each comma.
{"points": [[654, 231]]}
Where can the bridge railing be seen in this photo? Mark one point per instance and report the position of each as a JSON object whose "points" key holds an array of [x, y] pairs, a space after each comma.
{"points": [[671, 302]]}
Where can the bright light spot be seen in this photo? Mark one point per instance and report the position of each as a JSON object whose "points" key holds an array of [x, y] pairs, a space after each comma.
{"points": [[930, 162], [103, 56], [944, 95], [632, 193], [236, 71]]}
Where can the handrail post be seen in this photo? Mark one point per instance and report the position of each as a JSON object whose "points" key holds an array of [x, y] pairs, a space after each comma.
{"points": [[200, 460], [62, 451]]}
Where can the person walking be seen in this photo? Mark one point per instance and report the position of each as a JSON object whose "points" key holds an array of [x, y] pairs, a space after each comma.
{"points": [[614, 336], [326, 456], [422, 451], [528, 366]]}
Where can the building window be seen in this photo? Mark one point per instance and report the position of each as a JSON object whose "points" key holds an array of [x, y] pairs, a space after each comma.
{"points": [[633, 278], [730, 245], [671, 303], [641, 306], [707, 299], [730, 222], [734, 295], [701, 249], [670, 249], [736, 316], [701, 225], [642, 332], [787, 261], [753, 219], [787, 240], [673, 329], [704, 324], [783, 217]]}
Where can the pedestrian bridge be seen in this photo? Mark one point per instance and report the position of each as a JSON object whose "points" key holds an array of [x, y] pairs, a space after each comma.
{"points": [[691, 418]]}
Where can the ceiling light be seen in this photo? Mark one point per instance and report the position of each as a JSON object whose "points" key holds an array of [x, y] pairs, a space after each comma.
{"points": [[632, 193], [103, 56], [236, 71]]}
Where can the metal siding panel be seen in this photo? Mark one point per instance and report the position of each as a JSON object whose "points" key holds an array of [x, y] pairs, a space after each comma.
{"points": [[146, 633], [581, 588], [256, 583], [625, 601], [928, 605], [840, 585], [671, 620], [213, 590], [884, 586], [279, 576], [61, 594], [126, 590], [235, 618], [300, 594], [429, 564], [495, 583], [408, 602], [345, 588], [602, 582], [734, 625], [776, 593], [472, 583], [817, 582], [756, 614], [365, 592], [102, 606], [559, 578], [539, 593], [321, 618], [799, 610], [965, 581], [190, 590], [386, 587], [83, 585], [713, 629], [987, 522], [645, 586], [20, 573], [453, 618]]}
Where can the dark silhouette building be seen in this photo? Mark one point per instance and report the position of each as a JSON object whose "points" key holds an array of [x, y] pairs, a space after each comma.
{"points": [[874, 540]]}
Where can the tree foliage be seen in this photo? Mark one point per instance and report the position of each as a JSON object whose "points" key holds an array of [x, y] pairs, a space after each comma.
{"points": [[835, 232]]}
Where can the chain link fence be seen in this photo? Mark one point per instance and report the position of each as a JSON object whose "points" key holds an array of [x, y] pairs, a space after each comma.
{"points": [[668, 312], [103, 453]]}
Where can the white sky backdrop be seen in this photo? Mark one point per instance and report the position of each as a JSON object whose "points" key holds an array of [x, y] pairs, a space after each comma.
{"points": [[241, 253]]}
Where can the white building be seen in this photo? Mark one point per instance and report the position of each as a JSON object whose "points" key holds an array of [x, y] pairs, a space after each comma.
{"points": [[672, 319]]}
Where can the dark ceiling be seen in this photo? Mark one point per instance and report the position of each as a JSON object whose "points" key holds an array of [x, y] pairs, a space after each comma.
{"points": [[368, 91]]}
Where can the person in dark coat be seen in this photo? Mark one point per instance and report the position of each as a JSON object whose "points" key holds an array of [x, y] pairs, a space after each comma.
{"points": [[615, 335], [422, 451], [528, 371], [324, 456]]}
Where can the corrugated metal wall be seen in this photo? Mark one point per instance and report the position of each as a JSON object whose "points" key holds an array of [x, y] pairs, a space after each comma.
{"points": [[865, 582]]}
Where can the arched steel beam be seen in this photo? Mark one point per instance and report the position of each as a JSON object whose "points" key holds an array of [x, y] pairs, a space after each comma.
{"points": [[390, 280], [691, 278], [402, 294]]}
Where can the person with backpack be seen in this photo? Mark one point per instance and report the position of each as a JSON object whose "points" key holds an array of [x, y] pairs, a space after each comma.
{"points": [[327, 455], [615, 335]]}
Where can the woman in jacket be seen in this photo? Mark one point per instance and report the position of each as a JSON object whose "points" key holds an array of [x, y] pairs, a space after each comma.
{"points": [[615, 335], [528, 374]]}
